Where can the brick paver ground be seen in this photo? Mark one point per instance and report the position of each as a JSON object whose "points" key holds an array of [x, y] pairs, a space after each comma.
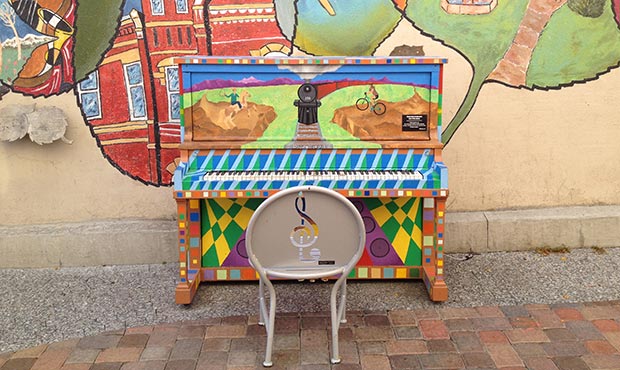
{"points": [[538, 337]]}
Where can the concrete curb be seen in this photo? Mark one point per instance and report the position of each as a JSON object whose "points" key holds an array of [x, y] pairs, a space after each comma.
{"points": [[122, 242]]}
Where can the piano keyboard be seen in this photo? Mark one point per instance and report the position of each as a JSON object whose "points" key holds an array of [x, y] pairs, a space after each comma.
{"points": [[344, 180], [313, 175]]}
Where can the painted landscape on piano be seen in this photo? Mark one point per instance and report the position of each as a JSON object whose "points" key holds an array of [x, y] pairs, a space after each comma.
{"points": [[253, 107]]}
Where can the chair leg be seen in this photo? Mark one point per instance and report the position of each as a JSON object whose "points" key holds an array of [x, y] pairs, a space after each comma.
{"points": [[336, 315], [270, 324], [261, 303], [343, 304]]}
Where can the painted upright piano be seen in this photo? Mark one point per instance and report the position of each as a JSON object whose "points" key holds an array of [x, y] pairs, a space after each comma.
{"points": [[368, 128]]}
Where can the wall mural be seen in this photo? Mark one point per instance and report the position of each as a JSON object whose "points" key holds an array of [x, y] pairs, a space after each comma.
{"points": [[118, 56]]}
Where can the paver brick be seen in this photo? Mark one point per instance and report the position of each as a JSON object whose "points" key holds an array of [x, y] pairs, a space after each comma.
{"points": [[434, 329], [181, 365], [547, 319], [458, 313], [493, 337], [144, 365], [402, 318], [613, 338], [212, 360], [375, 362], [584, 330], [525, 350], [226, 331], [570, 363], [478, 360], [120, 354], [107, 366], [186, 349], [491, 323], [504, 355], [372, 347], [607, 362], [560, 335], [467, 342], [314, 339], [52, 359], [155, 353], [404, 362], [426, 314], [85, 356], [540, 363], [568, 314], [376, 320], [514, 311], [191, 331], [134, 340], [600, 312], [605, 325], [33, 352], [601, 347], [441, 361], [405, 347], [523, 322], [489, 311], [564, 349], [19, 363], [377, 333], [527, 335], [76, 366], [459, 325], [440, 345], [243, 358], [99, 341], [407, 332]]}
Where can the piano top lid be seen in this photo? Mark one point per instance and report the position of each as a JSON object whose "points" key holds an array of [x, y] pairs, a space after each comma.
{"points": [[331, 60]]}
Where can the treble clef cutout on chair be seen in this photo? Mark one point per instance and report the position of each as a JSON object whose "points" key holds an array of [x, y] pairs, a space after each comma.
{"points": [[306, 234]]}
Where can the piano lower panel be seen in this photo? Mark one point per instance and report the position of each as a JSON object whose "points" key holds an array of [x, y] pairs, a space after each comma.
{"points": [[404, 239]]}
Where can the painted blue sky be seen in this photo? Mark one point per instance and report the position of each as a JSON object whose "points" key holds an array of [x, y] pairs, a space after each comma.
{"points": [[22, 28], [132, 4]]}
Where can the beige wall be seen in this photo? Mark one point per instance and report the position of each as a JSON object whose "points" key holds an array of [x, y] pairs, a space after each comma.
{"points": [[59, 182], [517, 149]]}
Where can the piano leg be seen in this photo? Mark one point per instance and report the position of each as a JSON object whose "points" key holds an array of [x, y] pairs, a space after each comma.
{"points": [[189, 250], [433, 248]]}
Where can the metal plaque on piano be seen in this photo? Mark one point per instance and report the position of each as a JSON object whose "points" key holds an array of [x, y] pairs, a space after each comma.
{"points": [[415, 122]]}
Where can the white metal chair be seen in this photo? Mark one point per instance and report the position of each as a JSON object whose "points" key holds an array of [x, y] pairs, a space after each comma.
{"points": [[305, 232]]}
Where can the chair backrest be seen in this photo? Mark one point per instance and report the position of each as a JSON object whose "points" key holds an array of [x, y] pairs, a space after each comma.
{"points": [[305, 232]]}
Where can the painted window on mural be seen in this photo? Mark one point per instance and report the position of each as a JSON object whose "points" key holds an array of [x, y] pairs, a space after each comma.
{"points": [[88, 91], [135, 89], [181, 6], [157, 7], [174, 101]]}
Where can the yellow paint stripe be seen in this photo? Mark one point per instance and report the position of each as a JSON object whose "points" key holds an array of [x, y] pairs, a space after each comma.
{"points": [[125, 57], [125, 141], [226, 19], [175, 52], [119, 45], [241, 6], [169, 23], [103, 130]]}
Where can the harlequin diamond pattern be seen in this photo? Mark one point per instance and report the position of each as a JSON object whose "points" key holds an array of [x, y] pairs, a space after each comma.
{"points": [[401, 220], [224, 221]]}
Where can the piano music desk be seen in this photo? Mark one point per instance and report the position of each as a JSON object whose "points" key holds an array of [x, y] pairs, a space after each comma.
{"points": [[254, 126]]}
